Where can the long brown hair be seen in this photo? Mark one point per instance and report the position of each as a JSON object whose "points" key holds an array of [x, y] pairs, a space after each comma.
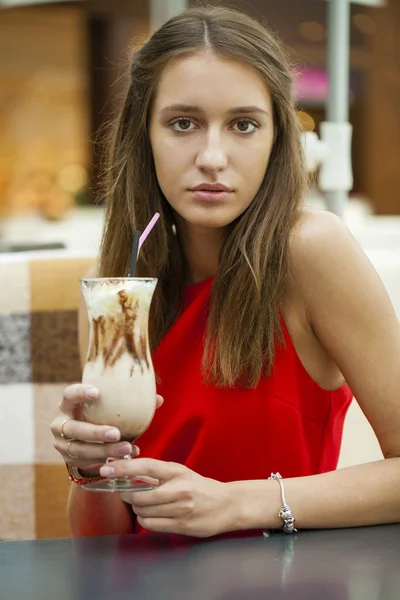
{"points": [[243, 324]]}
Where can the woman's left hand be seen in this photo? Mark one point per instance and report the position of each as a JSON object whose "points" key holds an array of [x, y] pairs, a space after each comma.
{"points": [[184, 502]]}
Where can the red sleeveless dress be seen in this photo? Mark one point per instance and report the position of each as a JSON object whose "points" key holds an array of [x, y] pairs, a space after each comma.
{"points": [[287, 424]]}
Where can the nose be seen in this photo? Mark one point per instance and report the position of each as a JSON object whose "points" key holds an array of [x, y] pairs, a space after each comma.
{"points": [[212, 157]]}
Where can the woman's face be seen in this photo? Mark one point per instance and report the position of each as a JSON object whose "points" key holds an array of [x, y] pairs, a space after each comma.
{"points": [[211, 132]]}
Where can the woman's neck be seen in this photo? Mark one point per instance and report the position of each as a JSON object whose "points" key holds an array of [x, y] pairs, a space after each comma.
{"points": [[201, 248]]}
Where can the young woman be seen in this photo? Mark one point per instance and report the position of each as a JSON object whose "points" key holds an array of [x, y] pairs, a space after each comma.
{"points": [[265, 314]]}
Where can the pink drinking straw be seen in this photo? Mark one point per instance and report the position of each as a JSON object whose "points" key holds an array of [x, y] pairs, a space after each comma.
{"points": [[147, 230]]}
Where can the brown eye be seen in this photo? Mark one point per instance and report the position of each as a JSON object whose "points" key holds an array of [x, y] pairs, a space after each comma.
{"points": [[246, 126], [181, 125], [184, 123]]}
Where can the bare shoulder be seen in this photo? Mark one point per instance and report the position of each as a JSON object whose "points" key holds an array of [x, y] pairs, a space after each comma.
{"points": [[313, 220], [326, 260], [316, 235], [329, 268], [350, 312]]}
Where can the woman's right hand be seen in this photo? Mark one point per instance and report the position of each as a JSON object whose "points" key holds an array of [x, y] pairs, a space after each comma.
{"points": [[82, 444]]}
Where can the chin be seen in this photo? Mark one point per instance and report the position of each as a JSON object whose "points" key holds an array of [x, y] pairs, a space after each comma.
{"points": [[209, 220], [210, 223]]}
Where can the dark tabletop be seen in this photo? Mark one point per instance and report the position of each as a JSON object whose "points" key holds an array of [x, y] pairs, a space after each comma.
{"points": [[351, 564]]}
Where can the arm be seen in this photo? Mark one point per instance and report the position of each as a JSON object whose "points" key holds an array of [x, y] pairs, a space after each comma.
{"points": [[98, 514], [351, 314]]}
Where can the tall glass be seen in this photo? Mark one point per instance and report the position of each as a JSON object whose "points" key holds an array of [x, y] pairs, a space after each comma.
{"points": [[119, 363]]}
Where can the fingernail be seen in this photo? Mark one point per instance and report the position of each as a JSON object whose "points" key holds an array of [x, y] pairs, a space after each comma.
{"points": [[91, 393], [125, 449], [135, 451], [107, 470], [112, 435]]}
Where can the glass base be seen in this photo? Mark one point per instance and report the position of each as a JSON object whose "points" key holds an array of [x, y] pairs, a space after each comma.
{"points": [[119, 484]]}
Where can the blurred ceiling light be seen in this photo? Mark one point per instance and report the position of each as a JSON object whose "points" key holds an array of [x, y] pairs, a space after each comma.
{"points": [[364, 23], [312, 31], [369, 2], [72, 178]]}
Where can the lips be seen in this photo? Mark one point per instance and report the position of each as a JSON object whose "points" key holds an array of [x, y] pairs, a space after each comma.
{"points": [[211, 187], [210, 196]]}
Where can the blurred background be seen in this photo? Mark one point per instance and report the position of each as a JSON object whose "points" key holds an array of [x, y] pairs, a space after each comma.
{"points": [[62, 70], [62, 74]]}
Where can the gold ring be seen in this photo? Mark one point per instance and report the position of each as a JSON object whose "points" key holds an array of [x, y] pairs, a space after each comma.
{"points": [[62, 434], [68, 450]]}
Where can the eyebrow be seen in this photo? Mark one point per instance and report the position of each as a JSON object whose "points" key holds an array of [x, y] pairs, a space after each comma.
{"points": [[190, 109]]}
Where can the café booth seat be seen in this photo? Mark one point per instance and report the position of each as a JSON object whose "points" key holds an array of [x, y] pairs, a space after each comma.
{"points": [[39, 294]]}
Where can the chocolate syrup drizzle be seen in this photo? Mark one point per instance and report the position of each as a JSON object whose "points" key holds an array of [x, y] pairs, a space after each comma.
{"points": [[114, 335]]}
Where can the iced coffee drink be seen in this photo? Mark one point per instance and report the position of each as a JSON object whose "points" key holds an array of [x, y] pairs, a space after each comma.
{"points": [[118, 361]]}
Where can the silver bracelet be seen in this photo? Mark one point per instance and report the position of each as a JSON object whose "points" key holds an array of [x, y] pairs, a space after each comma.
{"points": [[285, 513]]}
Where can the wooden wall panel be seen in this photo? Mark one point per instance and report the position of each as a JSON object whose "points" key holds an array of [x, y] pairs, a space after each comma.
{"points": [[44, 119], [382, 112]]}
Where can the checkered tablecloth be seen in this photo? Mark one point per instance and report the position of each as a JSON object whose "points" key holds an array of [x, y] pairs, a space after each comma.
{"points": [[39, 296]]}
